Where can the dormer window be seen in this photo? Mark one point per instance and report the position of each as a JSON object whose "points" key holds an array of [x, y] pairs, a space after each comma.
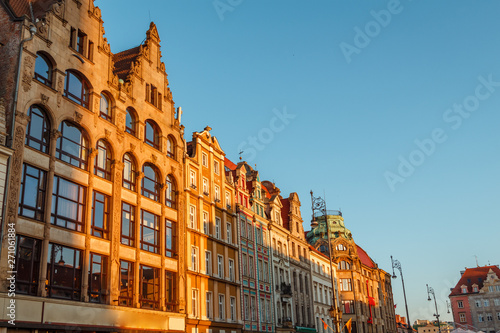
{"points": [[464, 289], [475, 289]]}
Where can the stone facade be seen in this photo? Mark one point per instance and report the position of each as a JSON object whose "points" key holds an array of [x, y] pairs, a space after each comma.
{"points": [[97, 152]]}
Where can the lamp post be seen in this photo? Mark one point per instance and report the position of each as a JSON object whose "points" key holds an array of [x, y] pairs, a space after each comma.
{"points": [[430, 291], [448, 306], [397, 264], [319, 205]]}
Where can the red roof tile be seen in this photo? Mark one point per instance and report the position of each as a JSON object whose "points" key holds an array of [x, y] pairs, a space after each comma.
{"points": [[123, 61], [22, 7], [471, 276], [230, 165], [365, 258]]}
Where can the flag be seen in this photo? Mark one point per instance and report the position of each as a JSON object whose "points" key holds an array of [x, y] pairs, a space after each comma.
{"points": [[325, 326], [395, 305], [348, 325]]}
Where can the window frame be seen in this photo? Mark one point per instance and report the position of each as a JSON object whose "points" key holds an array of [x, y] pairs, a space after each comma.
{"points": [[144, 301], [156, 143], [127, 300], [131, 184], [97, 231], [108, 115], [170, 192], [103, 171], [145, 245], [129, 239], [170, 284], [39, 211], [43, 142], [77, 278], [34, 252], [100, 295], [170, 249], [50, 69], [80, 161], [133, 116], [146, 192], [79, 222], [84, 98]]}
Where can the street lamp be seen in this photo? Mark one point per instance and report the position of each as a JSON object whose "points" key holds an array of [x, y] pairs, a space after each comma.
{"points": [[448, 306], [319, 205], [397, 264], [429, 292]]}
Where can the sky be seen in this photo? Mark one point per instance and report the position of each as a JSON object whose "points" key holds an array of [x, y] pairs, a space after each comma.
{"points": [[390, 110]]}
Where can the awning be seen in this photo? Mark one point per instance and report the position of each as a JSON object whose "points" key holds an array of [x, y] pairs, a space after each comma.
{"points": [[305, 329]]}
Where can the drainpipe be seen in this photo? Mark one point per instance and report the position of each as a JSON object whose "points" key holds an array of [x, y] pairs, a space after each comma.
{"points": [[10, 142]]}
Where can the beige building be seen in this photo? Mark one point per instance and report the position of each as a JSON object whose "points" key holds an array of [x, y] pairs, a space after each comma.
{"points": [[213, 275], [324, 297], [93, 186]]}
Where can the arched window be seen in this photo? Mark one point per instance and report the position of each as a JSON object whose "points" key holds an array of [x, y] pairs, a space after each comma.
{"points": [[102, 167], [37, 130], [72, 146], [105, 108], [129, 172], [170, 194], [152, 135], [130, 122], [150, 183], [340, 247], [43, 70], [170, 147], [77, 88]]}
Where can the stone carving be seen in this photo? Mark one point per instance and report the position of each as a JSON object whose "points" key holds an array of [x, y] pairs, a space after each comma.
{"points": [[16, 171], [59, 91], [132, 147], [154, 158], [45, 99], [107, 134], [78, 117], [27, 73], [22, 118]]}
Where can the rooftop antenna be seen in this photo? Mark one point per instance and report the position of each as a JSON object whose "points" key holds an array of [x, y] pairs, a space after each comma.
{"points": [[241, 152], [477, 262]]}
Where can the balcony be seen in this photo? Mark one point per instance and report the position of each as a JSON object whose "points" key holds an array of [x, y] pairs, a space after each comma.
{"points": [[286, 289], [287, 322], [328, 212]]}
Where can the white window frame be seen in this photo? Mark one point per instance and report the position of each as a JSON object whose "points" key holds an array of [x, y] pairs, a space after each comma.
{"points": [[194, 259], [244, 263], [216, 167], [253, 306], [206, 224], [232, 308], [192, 216], [192, 178], [246, 304], [222, 307], [208, 262], [205, 186], [217, 227], [229, 233], [194, 303], [228, 199], [220, 266], [217, 192], [204, 160], [231, 269], [209, 305], [250, 266]]}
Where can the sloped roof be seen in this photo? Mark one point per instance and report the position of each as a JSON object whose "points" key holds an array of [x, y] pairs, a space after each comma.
{"points": [[230, 165], [472, 276], [365, 258], [22, 7], [123, 61]]}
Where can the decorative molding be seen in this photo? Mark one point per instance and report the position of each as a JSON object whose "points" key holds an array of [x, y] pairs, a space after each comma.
{"points": [[44, 98], [78, 117], [27, 73]]}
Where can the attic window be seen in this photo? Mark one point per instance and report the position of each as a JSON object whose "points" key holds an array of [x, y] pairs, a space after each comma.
{"points": [[153, 96]]}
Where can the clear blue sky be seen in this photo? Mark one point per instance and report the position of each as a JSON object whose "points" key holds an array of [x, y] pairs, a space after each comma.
{"points": [[352, 119]]}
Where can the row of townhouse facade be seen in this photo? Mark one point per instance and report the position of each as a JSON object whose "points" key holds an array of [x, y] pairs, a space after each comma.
{"points": [[113, 222]]}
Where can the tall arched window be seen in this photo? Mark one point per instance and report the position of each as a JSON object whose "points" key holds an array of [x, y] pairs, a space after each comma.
{"points": [[37, 130], [170, 147], [77, 88], [152, 135], [130, 122], [102, 167], [129, 172], [105, 107], [150, 182], [43, 70], [170, 192], [72, 146]]}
